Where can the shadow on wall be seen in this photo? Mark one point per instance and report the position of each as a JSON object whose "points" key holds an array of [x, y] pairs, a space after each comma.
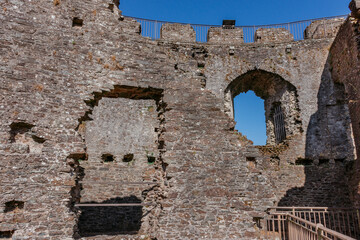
{"points": [[95, 221], [329, 147]]}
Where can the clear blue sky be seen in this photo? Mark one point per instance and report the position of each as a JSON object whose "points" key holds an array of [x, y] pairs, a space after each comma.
{"points": [[245, 12], [250, 117]]}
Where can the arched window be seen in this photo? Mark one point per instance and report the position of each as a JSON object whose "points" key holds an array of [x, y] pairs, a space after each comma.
{"points": [[282, 114]]}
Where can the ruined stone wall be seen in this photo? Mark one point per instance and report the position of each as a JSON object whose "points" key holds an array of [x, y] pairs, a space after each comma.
{"points": [[177, 32], [122, 148], [301, 64], [76, 76], [229, 36], [323, 28], [345, 71], [268, 35]]}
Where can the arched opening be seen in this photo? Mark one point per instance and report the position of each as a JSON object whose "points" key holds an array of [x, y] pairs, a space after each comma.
{"points": [[249, 114], [282, 114]]}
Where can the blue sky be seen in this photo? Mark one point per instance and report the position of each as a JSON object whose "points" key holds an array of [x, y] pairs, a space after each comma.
{"points": [[245, 12], [250, 117]]}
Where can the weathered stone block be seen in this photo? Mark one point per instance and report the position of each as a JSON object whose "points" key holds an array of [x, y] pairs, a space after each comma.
{"points": [[323, 28], [220, 35], [267, 35], [354, 6], [178, 32]]}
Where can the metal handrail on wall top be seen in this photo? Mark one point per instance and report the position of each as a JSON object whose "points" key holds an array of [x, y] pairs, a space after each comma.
{"points": [[152, 28]]}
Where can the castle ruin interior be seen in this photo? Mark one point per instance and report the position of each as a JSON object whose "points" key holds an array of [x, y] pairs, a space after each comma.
{"points": [[108, 134]]}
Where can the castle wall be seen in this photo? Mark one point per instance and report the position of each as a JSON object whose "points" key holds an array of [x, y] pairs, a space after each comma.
{"points": [[69, 66], [268, 35], [345, 71], [122, 149], [177, 32], [229, 36], [323, 28]]}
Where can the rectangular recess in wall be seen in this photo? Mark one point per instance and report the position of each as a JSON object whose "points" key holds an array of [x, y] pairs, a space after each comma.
{"points": [[251, 162]]}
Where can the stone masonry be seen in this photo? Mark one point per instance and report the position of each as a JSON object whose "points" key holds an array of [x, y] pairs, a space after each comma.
{"points": [[175, 32], [229, 36], [92, 112], [268, 35]]}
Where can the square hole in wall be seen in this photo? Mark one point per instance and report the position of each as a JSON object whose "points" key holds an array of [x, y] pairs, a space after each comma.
{"points": [[303, 161], [128, 157], [77, 22], [251, 162], [111, 7], [107, 157], [151, 159], [6, 234], [13, 206]]}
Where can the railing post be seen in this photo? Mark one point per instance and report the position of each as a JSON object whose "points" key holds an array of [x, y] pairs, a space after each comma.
{"points": [[155, 29], [290, 228], [279, 224], [254, 33], [358, 217], [319, 231]]}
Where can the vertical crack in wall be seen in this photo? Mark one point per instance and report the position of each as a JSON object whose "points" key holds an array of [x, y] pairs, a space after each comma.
{"points": [[154, 194]]}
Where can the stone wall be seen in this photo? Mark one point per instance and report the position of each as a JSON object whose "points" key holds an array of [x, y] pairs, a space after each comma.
{"points": [[228, 36], [269, 35], [276, 92], [177, 32], [323, 28], [345, 71], [71, 66], [122, 148]]}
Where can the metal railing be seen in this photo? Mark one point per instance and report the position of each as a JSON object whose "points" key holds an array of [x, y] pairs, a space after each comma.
{"points": [[343, 221], [152, 28]]}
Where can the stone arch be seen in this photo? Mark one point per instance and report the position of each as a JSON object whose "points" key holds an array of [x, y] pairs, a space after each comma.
{"points": [[277, 94]]}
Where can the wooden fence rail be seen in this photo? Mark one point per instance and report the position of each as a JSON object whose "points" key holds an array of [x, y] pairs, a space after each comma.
{"points": [[313, 223]]}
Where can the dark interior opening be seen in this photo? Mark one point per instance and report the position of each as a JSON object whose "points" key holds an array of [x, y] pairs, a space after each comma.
{"points": [[151, 159], [251, 162], [107, 157], [304, 162], [111, 220], [19, 128], [251, 159], [38, 139], [111, 7], [13, 205], [77, 22], [279, 123], [128, 157], [117, 3], [6, 234]]}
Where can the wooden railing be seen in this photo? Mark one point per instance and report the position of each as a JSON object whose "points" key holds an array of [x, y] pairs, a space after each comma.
{"points": [[300, 229], [322, 222]]}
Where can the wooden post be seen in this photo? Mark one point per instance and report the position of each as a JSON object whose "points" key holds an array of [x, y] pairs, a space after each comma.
{"points": [[319, 231]]}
